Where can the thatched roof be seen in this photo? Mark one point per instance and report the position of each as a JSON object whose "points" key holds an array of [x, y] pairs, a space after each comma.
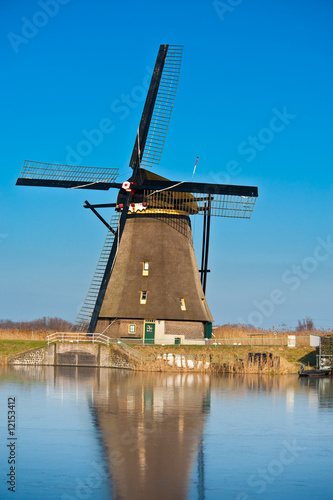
{"points": [[166, 244]]}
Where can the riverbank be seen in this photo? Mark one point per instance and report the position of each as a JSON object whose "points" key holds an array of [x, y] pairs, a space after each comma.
{"points": [[238, 359], [222, 359]]}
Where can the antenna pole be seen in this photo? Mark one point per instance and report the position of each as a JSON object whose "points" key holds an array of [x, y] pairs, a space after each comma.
{"points": [[203, 244], [195, 166], [207, 245]]}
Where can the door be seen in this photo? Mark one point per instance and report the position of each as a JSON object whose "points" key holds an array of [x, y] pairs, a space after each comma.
{"points": [[149, 333]]}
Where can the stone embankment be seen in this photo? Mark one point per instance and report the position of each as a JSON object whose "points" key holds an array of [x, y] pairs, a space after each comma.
{"points": [[122, 356], [68, 354]]}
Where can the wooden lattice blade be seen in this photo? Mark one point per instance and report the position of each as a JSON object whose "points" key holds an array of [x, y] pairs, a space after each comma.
{"points": [[219, 205], [67, 176], [84, 317], [198, 187], [156, 113]]}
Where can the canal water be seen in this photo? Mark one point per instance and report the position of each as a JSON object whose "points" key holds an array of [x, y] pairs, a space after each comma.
{"points": [[86, 433]]}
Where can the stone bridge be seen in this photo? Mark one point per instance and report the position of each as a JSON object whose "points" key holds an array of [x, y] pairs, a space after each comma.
{"points": [[72, 354]]}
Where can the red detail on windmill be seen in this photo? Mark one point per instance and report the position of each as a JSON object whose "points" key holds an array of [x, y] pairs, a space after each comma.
{"points": [[127, 185]]}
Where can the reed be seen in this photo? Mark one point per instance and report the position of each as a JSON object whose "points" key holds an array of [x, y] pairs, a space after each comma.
{"points": [[230, 359], [13, 334], [234, 334]]}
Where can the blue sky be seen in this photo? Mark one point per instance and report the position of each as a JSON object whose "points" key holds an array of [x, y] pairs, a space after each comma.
{"points": [[254, 102]]}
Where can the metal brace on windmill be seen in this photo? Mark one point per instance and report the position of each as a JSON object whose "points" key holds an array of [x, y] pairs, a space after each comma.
{"points": [[147, 285]]}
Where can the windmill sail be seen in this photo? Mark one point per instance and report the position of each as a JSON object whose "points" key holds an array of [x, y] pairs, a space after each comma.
{"points": [[163, 107], [82, 321], [221, 205], [36, 173]]}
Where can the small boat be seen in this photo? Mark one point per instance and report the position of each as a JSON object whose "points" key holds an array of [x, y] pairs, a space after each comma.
{"points": [[315, 373]]}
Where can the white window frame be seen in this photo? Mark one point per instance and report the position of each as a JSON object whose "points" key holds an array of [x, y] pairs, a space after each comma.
{"points": [[130, 327], [145, 269], [143, 297]]}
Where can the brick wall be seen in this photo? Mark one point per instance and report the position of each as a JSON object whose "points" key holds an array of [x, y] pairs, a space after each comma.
{"points": [[119, 328], [191, 330]]}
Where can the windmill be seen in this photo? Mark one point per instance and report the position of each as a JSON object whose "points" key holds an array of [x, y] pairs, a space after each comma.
{"points": [[147, 283]]}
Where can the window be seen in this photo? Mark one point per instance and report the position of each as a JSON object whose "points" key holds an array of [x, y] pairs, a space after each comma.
{"points": [[143, 297], [182, 305], [131, 328], [145, 269]]}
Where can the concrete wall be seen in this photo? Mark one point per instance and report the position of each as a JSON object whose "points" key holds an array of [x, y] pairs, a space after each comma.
{"points": [[68, 354], [315, 340]]}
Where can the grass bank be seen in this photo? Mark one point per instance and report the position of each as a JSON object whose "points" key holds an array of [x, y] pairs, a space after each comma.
{"points": [[10, 348]]}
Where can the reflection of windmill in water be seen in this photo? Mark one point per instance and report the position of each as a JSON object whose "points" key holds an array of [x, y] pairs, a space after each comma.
{"points": [[147, 282], [151, 427]]}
